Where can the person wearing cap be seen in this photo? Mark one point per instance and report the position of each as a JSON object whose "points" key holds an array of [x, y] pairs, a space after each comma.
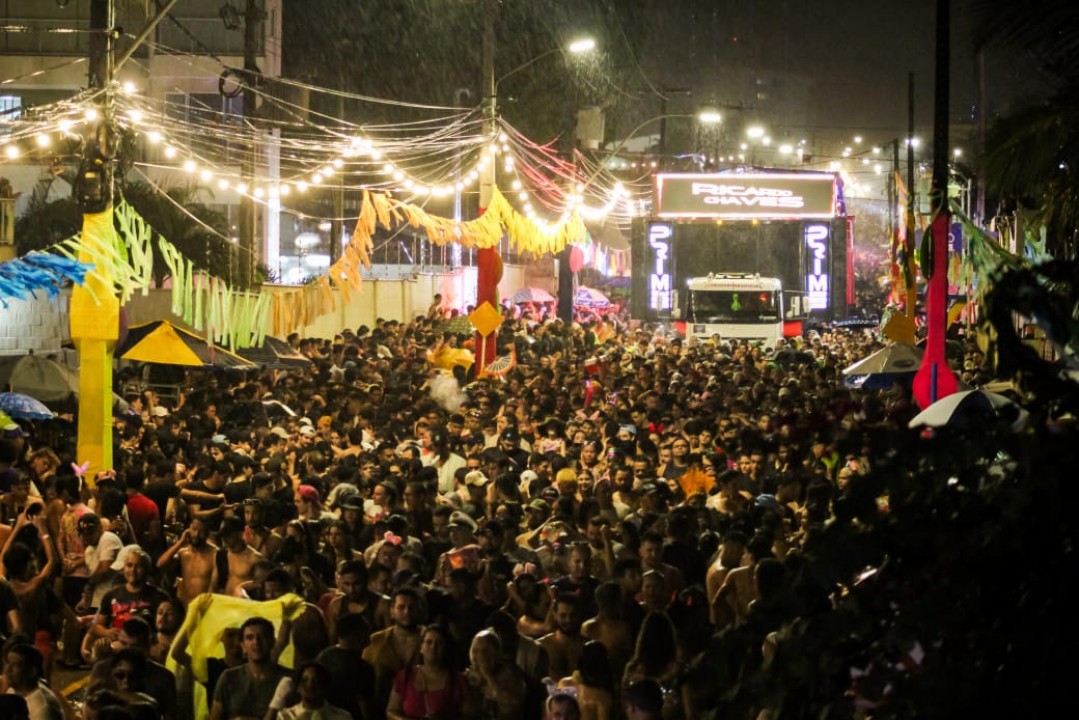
{"points": [[509, 442], [463, 552], [102, 549], [476, 491]]}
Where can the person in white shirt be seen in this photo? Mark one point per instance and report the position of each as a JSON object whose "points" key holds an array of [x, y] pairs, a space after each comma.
{"points": [[102, 549]]}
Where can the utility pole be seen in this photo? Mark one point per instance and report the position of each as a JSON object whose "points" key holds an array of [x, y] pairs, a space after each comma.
{"points": [[95, 309], [253, 17], [337, 221]]}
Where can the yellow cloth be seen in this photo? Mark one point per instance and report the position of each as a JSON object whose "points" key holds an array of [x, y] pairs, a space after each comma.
{"points": [[208, 618]]}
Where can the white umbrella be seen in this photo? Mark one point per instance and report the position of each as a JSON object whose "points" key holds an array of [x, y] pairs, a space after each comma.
{"points": [[969, 407]]}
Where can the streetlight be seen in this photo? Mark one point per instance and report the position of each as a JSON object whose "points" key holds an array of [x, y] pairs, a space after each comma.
{"points": [[580, 46], [754, 132], [706, 116]]}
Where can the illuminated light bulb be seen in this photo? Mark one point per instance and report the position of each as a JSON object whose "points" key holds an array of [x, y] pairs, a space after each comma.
{"points": [[285, 189], [958, 152], [423, 190], [154, 137], [90, 114], [528, 208], [766, 141], [327, 171], [505, 148], [222, 184], [258, 192], [241, 188], [189, 166], [170, 152], [11, 151], [316, 179], [579, 187], [619, 188], [474, 174], [388, 168], [522, 196], [857, 139], [509, 160], [65, 125], [398, 175], [338, 163], [459, 186], [135, 115], [503, 137], [350, 152], [409, 184], [129, 88], [376, 155], [653, 163], [865, 161], [301, 186], [272, 192], [516, 185], [754, 131], [206, 176], [877, 169], [469, 181], [492, 149], [786, 149], [43, 140], [876, 151]]}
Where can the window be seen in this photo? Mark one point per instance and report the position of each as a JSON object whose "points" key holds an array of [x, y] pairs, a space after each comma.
{"points": [[10, 108]]}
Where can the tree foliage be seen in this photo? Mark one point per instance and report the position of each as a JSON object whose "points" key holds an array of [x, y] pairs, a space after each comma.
{"points": [[955, 600], [196, 229], [1031, 157]]}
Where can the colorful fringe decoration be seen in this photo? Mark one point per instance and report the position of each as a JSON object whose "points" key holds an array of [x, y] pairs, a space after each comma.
{"points": [[22, 277]]}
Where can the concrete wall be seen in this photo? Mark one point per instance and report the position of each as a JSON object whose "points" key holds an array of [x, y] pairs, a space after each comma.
{"points": [[38, 326], [399, 300]]}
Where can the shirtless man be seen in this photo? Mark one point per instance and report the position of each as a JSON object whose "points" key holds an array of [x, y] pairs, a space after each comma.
{"points": [[610, 628], [241, 556], [730, 557], [564, 645], [739, 589], [198, 569]]}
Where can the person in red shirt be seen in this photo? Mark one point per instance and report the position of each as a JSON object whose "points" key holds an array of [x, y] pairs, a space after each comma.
{"points": [[142, 513]]}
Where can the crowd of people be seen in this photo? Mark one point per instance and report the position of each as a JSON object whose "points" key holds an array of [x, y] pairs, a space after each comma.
{"points": [[560, 542]]}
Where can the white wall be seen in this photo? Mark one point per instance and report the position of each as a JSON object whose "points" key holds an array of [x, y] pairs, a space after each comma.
{"points": [[399, 300], [37, 326]]}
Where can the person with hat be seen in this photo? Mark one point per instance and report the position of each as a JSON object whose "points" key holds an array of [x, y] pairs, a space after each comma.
{"points": [[102, 549], [463, 552], [509, 442]]}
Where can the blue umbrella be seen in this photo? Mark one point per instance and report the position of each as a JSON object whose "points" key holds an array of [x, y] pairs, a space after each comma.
{"points": [[23, 407]]}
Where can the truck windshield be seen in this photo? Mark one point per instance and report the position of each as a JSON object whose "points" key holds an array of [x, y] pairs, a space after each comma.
{"points": [[733, 306]]}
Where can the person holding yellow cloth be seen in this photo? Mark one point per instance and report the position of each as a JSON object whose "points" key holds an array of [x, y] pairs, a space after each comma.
{"points": [[245, 690]]}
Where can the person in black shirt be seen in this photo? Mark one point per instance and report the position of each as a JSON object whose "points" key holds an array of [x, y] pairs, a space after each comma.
{"points": [[353, 679], [135, 598]]}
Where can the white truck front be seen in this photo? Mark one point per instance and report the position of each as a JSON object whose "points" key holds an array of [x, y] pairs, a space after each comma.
{"points": [[734, 306]]}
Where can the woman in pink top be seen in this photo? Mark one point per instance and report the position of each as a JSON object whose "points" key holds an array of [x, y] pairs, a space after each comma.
{"points": [[430, 689]]}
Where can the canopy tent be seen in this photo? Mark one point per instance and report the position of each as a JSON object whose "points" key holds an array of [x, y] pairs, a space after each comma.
{"points": [[882, 368], [275, 354], [163, 343]]}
